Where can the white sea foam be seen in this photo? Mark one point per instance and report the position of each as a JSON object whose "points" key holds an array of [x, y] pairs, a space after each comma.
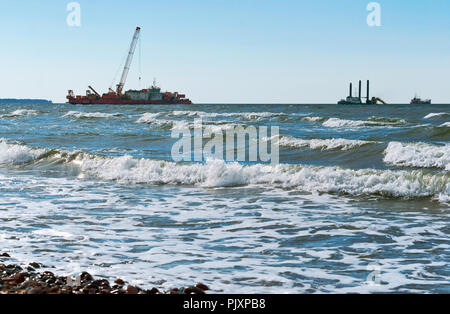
{"points": [[434, 115], [147, 245], [445, 196], [25, 112], [418, 155], [322, 144], [54, 233], [373, 121], [149, 117], [445, 125], [336, 123], [245, 115], [20, 113], [314, 119], [153, 120], [91, 115], [17, 154], [186, 113]]}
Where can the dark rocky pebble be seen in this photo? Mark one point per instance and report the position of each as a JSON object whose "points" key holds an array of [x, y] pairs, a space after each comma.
{"points": [[193, 290], [202, 286], [16, 280]]}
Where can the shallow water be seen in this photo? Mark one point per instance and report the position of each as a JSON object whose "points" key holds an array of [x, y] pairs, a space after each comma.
{"points": [[359, 188]]}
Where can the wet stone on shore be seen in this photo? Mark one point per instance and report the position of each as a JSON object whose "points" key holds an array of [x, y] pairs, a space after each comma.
{"points": [[17, 280]]}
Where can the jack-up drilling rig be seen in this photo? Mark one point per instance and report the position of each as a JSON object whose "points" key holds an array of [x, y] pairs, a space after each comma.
{"points": [[350, 100]]}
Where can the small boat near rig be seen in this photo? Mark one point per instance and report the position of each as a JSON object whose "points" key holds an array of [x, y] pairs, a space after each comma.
{"points": [[350, 100], [152, 95], [418, 101]]}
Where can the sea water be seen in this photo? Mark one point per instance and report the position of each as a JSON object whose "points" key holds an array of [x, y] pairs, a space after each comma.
{"points": [[359, 202]]}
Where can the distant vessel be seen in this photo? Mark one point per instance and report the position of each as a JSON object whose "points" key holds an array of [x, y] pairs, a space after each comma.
{"points": [[350, 100], [418, 101], [152, 95]]}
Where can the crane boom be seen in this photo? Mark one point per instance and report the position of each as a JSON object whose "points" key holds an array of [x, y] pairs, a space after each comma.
{"points": [[95, 92], [381, 100], [126, 69]]}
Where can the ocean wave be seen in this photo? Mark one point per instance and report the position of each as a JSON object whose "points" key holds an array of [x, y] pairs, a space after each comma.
{"points": [[149, 118], [17, 154], [373, 121], [216, 173], [434, 115], [418, 155], [444, 197], [336, 123], [434, 132], [153, 120], [245, 115], [384, 120], [20, 113], [188, 113], [306, 178], [91, 115], [165, 118], [314, 119], [322, 144], [213, 127], [445, 125]]}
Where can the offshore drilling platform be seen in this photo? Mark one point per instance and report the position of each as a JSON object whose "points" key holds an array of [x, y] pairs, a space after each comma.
{"points": [[350, 100], [152, 95]]}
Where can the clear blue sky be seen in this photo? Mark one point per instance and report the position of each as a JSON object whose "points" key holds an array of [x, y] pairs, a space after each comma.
{"points": [[281, 51]]}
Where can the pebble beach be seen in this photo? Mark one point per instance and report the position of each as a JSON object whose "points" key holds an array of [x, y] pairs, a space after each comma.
{"points": [[17, 279]]}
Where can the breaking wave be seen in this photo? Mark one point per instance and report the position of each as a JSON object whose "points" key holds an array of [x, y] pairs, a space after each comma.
{"points": [[314, 119], [166, 120], [20, 113], [245, 115], [148, 117], [322, 144], [434, 115], [91, 115], [215, 173], [153, 120], [336, 122], [373, 121], [17, 154], [418, 155]]}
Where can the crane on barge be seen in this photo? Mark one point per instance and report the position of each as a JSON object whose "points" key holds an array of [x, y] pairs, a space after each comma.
{"points": [[126, 68], [150, 95]]}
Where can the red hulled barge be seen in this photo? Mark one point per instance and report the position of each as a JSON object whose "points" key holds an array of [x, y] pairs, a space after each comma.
{"points": [[152, 95]]}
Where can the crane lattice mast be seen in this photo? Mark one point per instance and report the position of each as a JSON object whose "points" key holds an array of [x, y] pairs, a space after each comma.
{"points": [[126, 69]]}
